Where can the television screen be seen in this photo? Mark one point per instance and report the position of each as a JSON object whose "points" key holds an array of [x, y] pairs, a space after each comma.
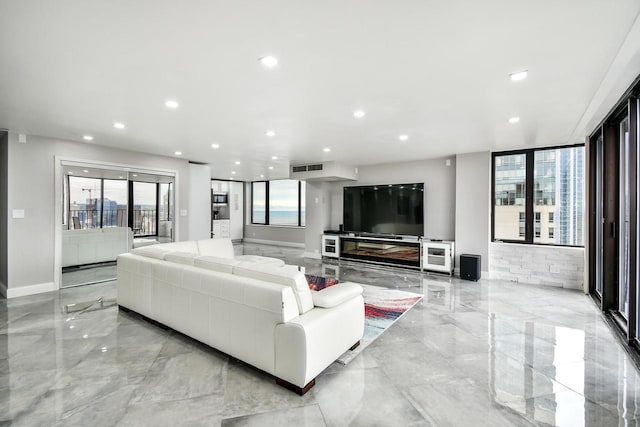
{"points": [[385, 209]]}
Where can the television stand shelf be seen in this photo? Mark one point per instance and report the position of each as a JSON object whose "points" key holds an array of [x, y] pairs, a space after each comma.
{"points": [[416, 253], [389, 251]]}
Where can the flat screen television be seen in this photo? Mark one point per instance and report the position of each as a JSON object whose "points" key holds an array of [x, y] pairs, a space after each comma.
{"points": [[385, 209]]}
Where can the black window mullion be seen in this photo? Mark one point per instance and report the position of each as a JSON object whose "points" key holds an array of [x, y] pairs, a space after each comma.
{"points": [[299, 204], [157, 208], [529, 216], [130, 208], [266, 202]]}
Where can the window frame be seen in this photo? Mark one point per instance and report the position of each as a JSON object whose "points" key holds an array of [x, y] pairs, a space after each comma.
{"points": [[266, 206], [529, 194]]}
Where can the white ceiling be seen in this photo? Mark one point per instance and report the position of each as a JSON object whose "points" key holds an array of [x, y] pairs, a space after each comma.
{"points": [[437, 71]]}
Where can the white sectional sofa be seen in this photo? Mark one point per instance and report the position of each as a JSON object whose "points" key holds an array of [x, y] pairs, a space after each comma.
{"points": [[253, 308]]}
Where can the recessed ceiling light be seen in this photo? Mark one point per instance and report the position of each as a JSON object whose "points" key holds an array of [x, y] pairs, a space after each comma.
{"points": [[270, 133], [85, 171], [70, 172], [237, 162], [178, 153], [119, 125], [403, 137], [269, 61], [171, 104], [233, 172], [261, 176], [326, 150], [514, 119], [87, 138], [231, 178], [520, 75], [358, 114], [270, 168], [121, 177], [216, 146], [274, 157], [135, 175]]}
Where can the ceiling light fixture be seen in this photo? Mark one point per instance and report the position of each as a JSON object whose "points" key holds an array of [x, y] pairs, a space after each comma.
{"points": [[87, 138], [135, 175], [403, 137], [517, 76], [70, 172], [269, 61], [119, 125], [171, 104], [270, 133], [274, 157], [178, 153], [216, 146], [326, 150], [270, 168], [121, 177], [261, 176], [358, 114], [233, 172], [237, 162], [513, 120], [85, 171]]}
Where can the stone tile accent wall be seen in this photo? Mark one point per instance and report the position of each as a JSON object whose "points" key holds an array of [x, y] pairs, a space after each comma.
{"points": [[539, 265]]}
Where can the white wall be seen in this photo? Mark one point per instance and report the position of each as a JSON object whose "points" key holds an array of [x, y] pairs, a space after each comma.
{"points": [[199, 202], [236, 210], [439, 187], [318, 217], [473, 206], [31, 186]]}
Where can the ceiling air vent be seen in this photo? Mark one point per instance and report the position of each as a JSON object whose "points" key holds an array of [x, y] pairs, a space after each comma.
{"points": [[299, 169], [317, 167]]}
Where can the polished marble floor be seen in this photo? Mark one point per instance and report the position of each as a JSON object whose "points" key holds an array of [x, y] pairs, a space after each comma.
{"points": [[490, 353]]}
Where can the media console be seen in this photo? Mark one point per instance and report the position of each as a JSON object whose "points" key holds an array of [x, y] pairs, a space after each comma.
{"points": [[414, 252]]}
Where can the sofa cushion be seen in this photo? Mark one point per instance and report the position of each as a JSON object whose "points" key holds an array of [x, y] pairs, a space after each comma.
{"points": [[257, 259], [287, 275], [181, 257], [224, 265], [221, 248], [152, 252], [189, 246], [336, 294]]}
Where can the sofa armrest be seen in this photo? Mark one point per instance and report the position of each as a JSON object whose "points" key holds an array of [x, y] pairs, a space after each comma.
{"points": [[336, 294], [307, 344]]}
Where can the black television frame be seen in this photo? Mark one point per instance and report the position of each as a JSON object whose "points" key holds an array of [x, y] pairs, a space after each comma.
{"points": [[372, 234]]}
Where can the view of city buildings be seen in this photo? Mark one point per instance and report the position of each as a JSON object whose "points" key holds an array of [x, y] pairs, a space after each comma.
{"points": [[558, 199]]}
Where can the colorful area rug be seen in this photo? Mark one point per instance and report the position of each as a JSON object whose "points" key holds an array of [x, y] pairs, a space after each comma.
{"points": [[382, 308]]}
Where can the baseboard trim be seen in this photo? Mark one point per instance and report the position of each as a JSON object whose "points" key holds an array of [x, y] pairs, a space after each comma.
{"points": [[31, 290], [3, 289], [311, 255], [273, 242]]}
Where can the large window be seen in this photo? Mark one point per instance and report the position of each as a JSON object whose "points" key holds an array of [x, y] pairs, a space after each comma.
{"points": [[549, 184], [278, 202]]}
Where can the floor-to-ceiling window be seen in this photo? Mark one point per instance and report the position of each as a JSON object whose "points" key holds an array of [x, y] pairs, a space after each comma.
{"points": [[613, 216]]}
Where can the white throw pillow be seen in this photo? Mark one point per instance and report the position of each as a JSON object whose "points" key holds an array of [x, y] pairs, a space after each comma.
{"points": [[221, 248], [336, 294], [152, 252], [224, 265], [287, 275], [188, 246], [181, 257], [257, 259]]}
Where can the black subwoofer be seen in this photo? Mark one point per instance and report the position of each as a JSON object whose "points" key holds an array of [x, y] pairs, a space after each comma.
{"points": [[470, 267]]}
